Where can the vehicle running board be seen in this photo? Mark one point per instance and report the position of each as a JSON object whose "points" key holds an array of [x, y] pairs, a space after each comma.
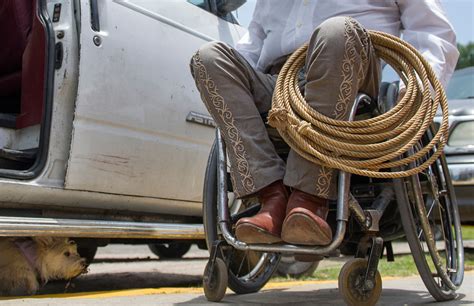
{"points": [[29, 227]]}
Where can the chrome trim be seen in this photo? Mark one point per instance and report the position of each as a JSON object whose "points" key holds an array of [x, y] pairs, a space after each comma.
{"points": [[462, 174], [201, 119], [163, 19], [18, 227]]}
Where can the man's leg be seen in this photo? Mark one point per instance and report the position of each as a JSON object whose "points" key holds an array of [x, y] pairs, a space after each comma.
{"points": [[340, 63], [235, 95]]}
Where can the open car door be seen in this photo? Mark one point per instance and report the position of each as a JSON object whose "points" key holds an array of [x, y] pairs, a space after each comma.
{"points": [[130, 134]]}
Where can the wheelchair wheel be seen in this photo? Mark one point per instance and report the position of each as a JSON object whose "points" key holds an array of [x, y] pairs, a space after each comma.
{"points": [[290, 267], [215, 284], [249, 271], [427, 207], [351, 280]]}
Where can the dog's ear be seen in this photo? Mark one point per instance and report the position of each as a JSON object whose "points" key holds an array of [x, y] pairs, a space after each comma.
{"points": [[44, 241]]}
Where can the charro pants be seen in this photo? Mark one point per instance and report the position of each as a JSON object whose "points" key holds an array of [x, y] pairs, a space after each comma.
{"points": [[340, 63]]}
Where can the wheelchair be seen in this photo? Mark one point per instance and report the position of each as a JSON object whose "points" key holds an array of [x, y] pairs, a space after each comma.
{"points": [[368, 215]]}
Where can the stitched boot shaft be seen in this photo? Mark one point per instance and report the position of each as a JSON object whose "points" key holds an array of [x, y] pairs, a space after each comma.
{"points": [[265, 226], [305, 220]]}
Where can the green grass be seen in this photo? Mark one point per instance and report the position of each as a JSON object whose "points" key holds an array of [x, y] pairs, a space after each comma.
{"points": [[401, 267], [467, 232]]}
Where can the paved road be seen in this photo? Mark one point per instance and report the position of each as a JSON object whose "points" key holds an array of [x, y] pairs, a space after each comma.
{"points": [[122, 275]]}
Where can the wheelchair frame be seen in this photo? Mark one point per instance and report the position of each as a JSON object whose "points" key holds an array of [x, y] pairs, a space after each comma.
{"points": [[368, 220]]}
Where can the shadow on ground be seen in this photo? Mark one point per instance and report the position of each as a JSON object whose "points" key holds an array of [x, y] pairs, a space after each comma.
{"points": [[122, 281], [328, 296]]}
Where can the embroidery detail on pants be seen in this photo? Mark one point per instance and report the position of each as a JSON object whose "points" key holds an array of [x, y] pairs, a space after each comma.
{"points": [[354, 61], [364, 50], [347, 71], [324, 181], [229, 128]]}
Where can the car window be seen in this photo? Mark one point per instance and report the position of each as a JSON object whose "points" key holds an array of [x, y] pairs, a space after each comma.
{"points": [[244, 13], [461, 85], [204, 4], [461, 135], [212, 7]]}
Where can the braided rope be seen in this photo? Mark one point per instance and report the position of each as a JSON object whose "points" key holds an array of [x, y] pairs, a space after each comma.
{"points": [[373, 146]]}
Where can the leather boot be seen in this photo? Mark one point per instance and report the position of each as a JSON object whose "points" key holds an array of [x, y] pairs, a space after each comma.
{"points": [[265, 226], [305, 221]]}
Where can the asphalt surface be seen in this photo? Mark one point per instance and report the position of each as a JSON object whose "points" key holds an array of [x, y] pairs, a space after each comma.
{"points": [[125, 275]]}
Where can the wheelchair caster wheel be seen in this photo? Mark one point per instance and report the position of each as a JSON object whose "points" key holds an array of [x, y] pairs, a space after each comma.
{"points": [[215, 280], [352, 287]]}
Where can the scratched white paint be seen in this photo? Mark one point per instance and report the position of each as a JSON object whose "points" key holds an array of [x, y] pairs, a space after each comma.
{"points": [[119, 139], [130, 132]]}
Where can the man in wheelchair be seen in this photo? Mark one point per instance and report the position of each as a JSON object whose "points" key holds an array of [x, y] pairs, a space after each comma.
{"points": [[237, 84]]}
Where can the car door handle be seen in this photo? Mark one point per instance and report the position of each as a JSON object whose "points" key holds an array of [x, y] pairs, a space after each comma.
{"points": [[95, 22]]}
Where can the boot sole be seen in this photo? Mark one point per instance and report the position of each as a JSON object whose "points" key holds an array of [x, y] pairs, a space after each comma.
{"points": [[300, 229], [250, 233]]}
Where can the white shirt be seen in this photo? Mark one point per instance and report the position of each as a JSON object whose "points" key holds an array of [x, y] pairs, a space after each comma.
{"points": [[279, 27]]}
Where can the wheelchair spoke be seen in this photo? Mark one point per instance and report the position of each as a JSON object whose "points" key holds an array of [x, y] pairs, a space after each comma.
{"points": [[258, 266], [446, 244], [420, 233], [428, 215], [431, 208], [242, 263]]}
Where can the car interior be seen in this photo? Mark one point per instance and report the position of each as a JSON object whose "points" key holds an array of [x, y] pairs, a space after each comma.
{"points": [[22, 79]]}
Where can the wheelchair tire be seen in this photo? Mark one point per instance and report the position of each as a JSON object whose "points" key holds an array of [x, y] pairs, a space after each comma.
{"points": [[248, 271], [215, 285], [350, 282], [427, 203], [88, 252]]}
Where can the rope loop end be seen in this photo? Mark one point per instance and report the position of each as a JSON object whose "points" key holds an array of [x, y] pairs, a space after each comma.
{"points": [[278, 118]]}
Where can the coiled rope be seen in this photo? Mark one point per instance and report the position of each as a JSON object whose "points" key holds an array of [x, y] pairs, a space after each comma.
{"points": [[373, 146]]}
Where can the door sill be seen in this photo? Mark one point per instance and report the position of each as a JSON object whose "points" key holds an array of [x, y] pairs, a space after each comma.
{"points": [[24, 226]]}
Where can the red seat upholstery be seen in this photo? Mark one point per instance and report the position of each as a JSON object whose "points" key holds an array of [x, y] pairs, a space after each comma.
{"points": [[33, 75], [15, 26]]}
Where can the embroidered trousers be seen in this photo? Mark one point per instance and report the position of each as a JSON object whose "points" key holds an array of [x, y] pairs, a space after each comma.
{"points": [[340, 63]]}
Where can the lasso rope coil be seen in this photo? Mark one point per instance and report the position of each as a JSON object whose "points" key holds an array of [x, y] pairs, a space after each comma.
{"points": [[373, 146]]}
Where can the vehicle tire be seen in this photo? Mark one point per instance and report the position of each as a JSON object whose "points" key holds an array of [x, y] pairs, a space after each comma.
{"points": [[350, 284], [248, 271], [290, 267], [172, 250], [88, 252], [427, 203]]}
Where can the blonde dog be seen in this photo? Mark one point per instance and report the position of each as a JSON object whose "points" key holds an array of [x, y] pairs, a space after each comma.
{"points": [[26, 264]]}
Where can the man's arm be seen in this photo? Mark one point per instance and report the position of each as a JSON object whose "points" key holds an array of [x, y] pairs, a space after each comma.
{"points": [[427, 28], [250, 45]]}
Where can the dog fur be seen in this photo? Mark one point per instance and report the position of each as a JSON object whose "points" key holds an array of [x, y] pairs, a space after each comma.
{"points": [[53, 258]]}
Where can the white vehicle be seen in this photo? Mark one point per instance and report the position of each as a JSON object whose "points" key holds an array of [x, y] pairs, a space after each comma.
{"points": [[102, 131]]}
